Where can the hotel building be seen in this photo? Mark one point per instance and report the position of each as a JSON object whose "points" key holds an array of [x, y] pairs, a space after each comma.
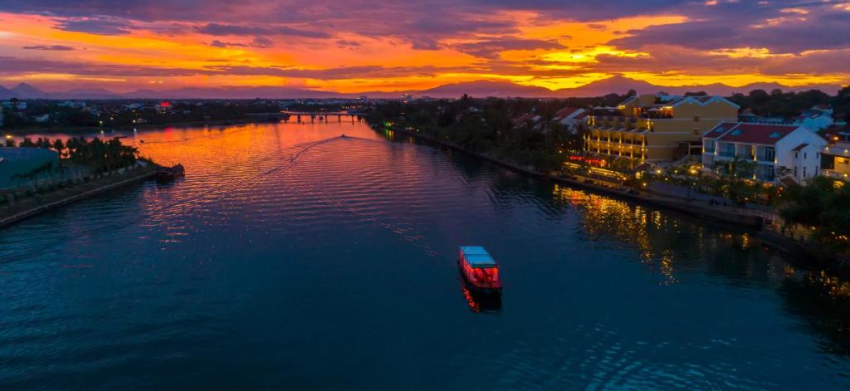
{"points": [[836, 157], [656, 127]]}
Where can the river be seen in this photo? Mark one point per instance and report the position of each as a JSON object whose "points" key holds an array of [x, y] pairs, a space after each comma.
{"points": [[293, 258]]}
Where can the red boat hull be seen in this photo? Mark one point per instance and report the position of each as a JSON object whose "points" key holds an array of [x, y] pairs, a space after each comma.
{"points": [[481, 280]]}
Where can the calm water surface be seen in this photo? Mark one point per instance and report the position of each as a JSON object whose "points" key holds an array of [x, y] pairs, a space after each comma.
{"points": [[292, 258]]}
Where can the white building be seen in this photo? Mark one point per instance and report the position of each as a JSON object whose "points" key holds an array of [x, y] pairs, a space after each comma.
{"points": [[817, 118], [778, 151], [571, 117], [42, 118]]}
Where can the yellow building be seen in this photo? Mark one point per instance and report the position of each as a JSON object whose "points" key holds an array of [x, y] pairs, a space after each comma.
{"points": [[836, 160], [650, 128]]}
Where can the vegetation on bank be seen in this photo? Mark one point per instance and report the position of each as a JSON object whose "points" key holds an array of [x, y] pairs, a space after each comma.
{"points": [[487, 126], [823, 205], [130, 113], [98, 155], [778, 103], [80, 161]]}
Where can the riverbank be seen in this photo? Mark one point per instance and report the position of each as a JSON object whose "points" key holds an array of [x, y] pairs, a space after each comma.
{"points": [[717, 214], [36, 205], [90, 129], [809, 255]]}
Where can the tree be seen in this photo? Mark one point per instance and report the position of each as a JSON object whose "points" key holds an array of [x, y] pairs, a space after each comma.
{"points": [[825, 205], [59, 147]]}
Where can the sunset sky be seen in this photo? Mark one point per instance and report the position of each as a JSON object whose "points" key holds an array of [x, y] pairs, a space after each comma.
{"points": [[351, 46]]}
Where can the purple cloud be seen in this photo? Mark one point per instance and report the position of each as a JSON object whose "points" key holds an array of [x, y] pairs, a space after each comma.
{"points": [[96, 25], [217, 29], [822, 27], [492, 48], [59, 48]]}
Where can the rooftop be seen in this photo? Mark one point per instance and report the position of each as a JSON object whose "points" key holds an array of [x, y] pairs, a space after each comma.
{"points": [[750, 133]]}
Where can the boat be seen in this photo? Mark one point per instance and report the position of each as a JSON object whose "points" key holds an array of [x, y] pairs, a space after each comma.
{"points": [[480, 270], [168, 174]]}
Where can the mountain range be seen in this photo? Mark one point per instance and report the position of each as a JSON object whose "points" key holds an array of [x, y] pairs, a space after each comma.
{"points": [[615, 84]]}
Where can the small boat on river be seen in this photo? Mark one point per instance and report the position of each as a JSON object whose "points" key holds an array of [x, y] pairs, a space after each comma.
{"points": [[480, 270], [168, 174]]}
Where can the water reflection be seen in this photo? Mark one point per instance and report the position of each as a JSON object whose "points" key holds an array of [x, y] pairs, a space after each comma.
{"points": [[478, 302], [316, 259], [822, 301]]}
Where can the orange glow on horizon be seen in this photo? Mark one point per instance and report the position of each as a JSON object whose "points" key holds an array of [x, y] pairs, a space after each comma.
{"points": [[559, 54]]}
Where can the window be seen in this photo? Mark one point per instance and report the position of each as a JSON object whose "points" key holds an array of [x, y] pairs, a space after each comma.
{"points": [[804, 171], [696, 118], [769, 153], [795, 171], [696, 132], [804, 155], [796, 155]]}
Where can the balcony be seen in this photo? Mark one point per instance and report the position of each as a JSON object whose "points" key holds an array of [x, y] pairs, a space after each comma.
{"points": [[839, 149], [763, 158], [836, 175]]}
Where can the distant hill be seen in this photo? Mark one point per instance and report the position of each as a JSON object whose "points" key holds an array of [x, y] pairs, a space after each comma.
{"points": [[615, 84], [6, 93], [483, 88], [234, 93], [26, 91], [621, 85], [86, 93], [486, 88]]}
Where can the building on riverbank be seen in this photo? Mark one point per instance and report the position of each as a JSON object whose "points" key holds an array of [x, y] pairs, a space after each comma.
{"points": [[836, 158], [776, 151], [650, 128], [21, 165]]}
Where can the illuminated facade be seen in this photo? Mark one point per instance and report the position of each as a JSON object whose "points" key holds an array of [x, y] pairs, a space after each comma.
{"points": [[649, 128], [836, 159], [776, 151]]}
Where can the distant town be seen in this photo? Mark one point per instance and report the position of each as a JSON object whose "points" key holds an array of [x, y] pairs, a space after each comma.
{"points": [[748, 151]]}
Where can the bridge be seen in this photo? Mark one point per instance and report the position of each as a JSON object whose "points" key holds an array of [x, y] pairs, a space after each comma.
{"points": [[321, 116]]}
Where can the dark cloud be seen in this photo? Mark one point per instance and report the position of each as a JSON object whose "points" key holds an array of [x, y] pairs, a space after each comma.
{"points": [[60, 48], [230, 29], [332, 73], [348, 43], [223, 44], [262, 43], [821, 27], [492, 48], [15, 66], [97, 25]]}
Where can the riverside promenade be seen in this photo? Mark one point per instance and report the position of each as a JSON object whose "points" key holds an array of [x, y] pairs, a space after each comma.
{"points": [[738, 216], [38, 204], [810, 254]]}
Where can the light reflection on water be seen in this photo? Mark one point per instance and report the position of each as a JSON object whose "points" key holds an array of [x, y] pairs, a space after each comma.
{"points": [[291, 257]]}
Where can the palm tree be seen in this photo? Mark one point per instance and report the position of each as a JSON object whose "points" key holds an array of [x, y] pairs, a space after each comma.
{"points": [[59, 147]]}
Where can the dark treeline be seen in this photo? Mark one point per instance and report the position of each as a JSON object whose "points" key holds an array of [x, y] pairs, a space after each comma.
{"points": [[825, 205], [123, 114], [788, 104], [98, 155], [487, 125]]}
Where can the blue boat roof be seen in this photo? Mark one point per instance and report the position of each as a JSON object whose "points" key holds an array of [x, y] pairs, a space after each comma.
{"points": [[473, 250], [477, 256]]}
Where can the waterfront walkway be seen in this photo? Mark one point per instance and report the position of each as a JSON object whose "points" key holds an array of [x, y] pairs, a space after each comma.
{"points": [[37, 204]]}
